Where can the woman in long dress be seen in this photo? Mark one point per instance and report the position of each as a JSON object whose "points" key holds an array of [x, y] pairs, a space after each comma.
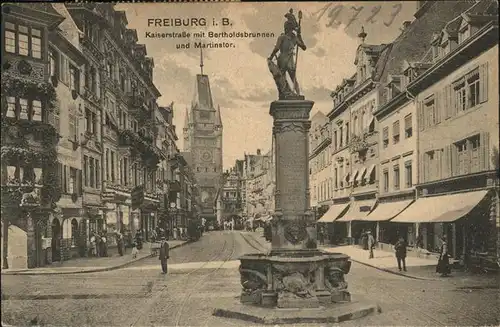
{"points": [[443, 266]]}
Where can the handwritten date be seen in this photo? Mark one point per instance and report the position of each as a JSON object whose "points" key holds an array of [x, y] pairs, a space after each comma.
{"points": [[340, 14]]}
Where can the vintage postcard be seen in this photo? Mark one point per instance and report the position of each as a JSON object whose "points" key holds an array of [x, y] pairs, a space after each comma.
{"points": [[250, 163]]}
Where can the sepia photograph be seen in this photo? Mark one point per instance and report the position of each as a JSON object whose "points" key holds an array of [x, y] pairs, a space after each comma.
{"points": [[231, 163]]}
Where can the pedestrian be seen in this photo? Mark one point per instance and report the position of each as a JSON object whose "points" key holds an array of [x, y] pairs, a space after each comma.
{"points": [[119, 243], [104, 242], [98, 252], [93, 250], [400, 249], [321, 236], [164, 255], [135, 252], [371, 243], [443, 266]]}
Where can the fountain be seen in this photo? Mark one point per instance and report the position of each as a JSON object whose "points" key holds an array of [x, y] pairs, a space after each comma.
{"points": [[295, 282]]}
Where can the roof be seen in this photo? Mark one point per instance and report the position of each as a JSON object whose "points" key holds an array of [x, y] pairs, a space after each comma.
{"points": [[218, 119], [187, 157], [414, 43], [166, 112], [202, 98]]}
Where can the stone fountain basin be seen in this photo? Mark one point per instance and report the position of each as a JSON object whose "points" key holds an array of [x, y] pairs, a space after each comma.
{"points": [[297, 259]]}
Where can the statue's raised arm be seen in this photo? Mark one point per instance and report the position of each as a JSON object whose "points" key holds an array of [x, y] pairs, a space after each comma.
{"points": [[286, 63]]}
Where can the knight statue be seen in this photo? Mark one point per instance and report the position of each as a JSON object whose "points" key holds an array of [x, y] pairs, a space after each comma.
{"points": [[286, 63]]}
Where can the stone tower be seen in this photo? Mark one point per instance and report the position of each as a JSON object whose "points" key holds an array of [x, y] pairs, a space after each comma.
{"points": [[203, 138]]}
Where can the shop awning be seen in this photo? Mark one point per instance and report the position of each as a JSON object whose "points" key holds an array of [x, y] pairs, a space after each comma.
{"points": [[346, 178], [387, 210], [333, 212], [359, 178], [354, 175], [369, 172], [440, 209], [358, 210]]}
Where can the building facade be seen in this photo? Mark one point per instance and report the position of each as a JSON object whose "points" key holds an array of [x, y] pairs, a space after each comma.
{"points": [[203, 139], [320, 177], [457, 112], [258, 185], [361, 98], [30, 180], [68, 227], [231, 203]]}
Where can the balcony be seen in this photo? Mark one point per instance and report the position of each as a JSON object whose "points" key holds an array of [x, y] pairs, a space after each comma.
{"points": [[140, 145], [21, 187], [137, 101]]}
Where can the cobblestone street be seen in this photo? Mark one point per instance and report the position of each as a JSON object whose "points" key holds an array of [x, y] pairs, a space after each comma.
{"points": [[204, 275]]}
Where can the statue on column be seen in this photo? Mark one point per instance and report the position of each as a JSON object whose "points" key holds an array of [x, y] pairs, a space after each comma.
{"points": [[286, 62]]}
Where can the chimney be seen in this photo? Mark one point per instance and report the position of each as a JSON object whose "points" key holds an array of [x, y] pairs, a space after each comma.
{"points": [[258, 152]]}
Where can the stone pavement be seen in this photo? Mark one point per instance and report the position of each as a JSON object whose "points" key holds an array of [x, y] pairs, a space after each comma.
{"points": [[88, 265], [417, 268]]}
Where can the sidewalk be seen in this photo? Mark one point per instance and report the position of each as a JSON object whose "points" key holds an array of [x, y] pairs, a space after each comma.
{"points": [[90, 265], [417, 268]]}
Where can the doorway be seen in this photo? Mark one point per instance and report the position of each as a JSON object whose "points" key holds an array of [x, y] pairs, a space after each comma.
{"points": [[56, 240]]}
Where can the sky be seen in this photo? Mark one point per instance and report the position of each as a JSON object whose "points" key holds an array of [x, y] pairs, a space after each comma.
{"points": [[240, 80]]}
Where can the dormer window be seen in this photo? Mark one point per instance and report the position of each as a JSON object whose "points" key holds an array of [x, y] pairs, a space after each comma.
{"points": [[463, 34]]}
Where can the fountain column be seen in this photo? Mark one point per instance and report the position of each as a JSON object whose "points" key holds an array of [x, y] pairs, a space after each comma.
{"points": [[293, 226]]}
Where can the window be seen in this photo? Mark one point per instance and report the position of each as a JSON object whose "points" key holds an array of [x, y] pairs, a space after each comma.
{"points": [[91, 172], [460, 91], [475, 147], [473, 88], [463, 157], [72, 181], [385, 137], [74, 79], [23, 40], [396, 177], [10, 37], [431, 163], [97, 173], [125, 171], [355, 126], [430, 112], [72, 124], [408, 126], [74, 232], [336, 176], [347, 133], [89, 121], [28, 109], [52, 62], [107, 165], [110, 70], [386, 180], [29, 40], [86, 170], [112, 166], [341, 142], [335, 140], [395, 132], [408, 174]]}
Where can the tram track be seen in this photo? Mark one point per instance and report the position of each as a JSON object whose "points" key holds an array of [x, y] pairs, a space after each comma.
{"points": [[202, 279], [136, 318]]}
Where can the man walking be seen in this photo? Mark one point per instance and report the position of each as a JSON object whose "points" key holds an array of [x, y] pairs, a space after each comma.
{"points": [[371, 243], [164, 254], [400, 248]]}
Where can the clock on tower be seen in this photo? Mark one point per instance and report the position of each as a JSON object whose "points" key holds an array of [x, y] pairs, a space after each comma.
{"points": [[206, 156]]}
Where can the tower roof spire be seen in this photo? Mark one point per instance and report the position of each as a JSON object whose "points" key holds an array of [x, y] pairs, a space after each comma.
{"points": [[218, 120], [187, 119], [201, 60]]}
